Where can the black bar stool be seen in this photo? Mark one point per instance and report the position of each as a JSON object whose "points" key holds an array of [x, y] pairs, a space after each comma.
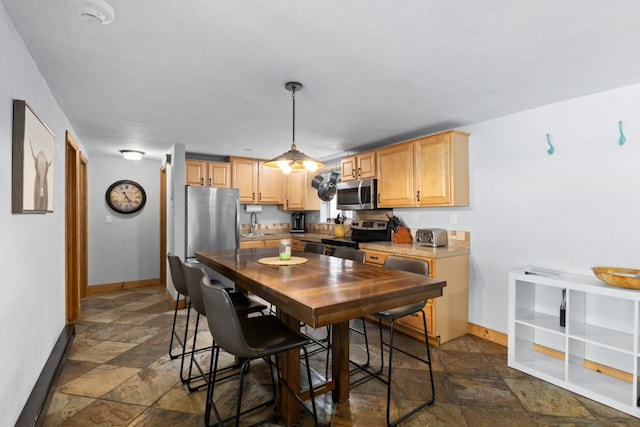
{"points": [[249, 339], [414, 266], [242, 304]]}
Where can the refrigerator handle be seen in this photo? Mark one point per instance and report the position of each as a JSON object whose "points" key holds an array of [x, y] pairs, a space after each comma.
{"points": [[237, 224]]}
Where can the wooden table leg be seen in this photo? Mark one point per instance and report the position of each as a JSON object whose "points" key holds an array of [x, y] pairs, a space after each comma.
{"points": [[340, 361], [290, 366]]}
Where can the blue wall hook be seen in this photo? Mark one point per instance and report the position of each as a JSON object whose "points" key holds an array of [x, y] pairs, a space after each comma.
{"points": [[551, 148], [622, 138]]}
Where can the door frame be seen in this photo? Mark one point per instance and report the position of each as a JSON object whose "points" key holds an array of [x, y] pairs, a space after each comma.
{"points": [[76, 227], [163, 225]]}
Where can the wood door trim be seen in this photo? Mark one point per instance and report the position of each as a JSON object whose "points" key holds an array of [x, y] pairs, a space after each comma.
{"points": [[72, 289]]}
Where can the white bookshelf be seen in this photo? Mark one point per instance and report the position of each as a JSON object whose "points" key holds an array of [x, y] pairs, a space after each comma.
{"points": [[597, 352]]}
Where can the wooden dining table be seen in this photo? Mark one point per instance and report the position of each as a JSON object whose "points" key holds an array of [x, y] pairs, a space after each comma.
{"points": [[321, 291]]}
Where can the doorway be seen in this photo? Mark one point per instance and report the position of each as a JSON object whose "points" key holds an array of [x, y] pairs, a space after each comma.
{"points": [[76, 224]]}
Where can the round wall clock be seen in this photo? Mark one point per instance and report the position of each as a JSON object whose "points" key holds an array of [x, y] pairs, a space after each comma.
{"points": [[126, 196]]}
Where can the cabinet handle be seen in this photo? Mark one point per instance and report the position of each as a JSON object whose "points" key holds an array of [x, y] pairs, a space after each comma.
{"points": [[353, 173], [373, 257], [253, 196], [259, 196], [359, 172], [209, 182], [202, 181], [378, 197], [418, 195]]}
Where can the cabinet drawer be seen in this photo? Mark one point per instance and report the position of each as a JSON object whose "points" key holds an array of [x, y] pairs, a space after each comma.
{"points": [[415, 320], [374, 257], [271, 243], [248, 244]]}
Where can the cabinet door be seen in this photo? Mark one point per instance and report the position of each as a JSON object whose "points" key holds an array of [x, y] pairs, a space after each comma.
{"points": [[433, 170], [195, 172], [218, 174], [366, 165], [244, 177], [395, 176], [348, 169], [442, 170], [270, 183], [295, 190]]}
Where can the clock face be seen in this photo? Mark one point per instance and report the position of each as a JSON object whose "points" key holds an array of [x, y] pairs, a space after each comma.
{"points": [[126, 196]]}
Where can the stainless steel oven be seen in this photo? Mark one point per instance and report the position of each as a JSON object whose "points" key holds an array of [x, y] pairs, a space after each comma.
{"points": [[357, 195]]}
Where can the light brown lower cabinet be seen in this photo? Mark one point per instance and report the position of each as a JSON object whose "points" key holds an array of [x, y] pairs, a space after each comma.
{"points": [[448, 315], [269, 243]]}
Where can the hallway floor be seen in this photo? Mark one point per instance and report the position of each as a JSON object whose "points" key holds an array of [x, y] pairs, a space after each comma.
{"points": [[118, 373]]}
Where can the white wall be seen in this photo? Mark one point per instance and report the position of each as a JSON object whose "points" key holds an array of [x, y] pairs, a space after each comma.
{"points": [[32, 307], [572, 210], [127, 249]]}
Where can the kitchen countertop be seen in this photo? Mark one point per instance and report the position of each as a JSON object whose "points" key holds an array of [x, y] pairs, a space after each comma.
{"points": [[415, 250], [451, 250]]}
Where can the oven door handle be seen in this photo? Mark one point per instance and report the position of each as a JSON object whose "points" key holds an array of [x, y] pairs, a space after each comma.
{"points": [[360, 194]]}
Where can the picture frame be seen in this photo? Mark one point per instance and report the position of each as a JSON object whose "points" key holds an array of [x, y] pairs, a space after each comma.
{"points": [[32, 162]]}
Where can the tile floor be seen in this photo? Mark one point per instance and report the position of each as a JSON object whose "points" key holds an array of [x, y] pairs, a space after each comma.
{"points": [[118, 373]]}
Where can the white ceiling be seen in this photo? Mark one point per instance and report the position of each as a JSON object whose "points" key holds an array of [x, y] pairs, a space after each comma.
{"points": [[210, 73]]}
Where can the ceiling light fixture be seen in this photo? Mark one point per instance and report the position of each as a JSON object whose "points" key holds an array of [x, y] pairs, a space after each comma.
{"points": [[94, 11], [132, 154], [293, 159]]}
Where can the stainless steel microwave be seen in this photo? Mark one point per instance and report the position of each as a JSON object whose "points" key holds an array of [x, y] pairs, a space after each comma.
{"points": [[357, 195]]}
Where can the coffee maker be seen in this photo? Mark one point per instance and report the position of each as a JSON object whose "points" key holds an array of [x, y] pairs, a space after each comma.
{"points": [[297, 222]]}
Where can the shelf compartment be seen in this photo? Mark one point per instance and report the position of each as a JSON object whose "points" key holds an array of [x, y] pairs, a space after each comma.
{"points": [[604, 337], [539, 320], [541, 364], [607, 387], [528, 340]]}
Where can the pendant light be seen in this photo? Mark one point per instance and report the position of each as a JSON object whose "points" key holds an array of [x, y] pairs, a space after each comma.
{"points": [[293, 159]]}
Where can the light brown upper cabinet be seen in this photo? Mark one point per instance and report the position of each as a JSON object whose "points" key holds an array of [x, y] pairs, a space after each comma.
{"points": [[428, 171], [360, 166], [256, 183], [208, 174], [299, 194]]}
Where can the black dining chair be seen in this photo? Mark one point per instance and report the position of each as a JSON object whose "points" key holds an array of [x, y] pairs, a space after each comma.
{"points": [[345, 252], [315, 248], [414, 266], [249, 339], [243, 305]]}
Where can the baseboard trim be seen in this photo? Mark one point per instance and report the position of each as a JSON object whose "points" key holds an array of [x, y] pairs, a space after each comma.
{"points": [[182, 304], [108, 287], [488, 334], [35, 409]]}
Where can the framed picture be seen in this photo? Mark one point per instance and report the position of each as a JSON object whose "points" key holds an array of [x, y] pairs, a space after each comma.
{"points": [[33, 153]]}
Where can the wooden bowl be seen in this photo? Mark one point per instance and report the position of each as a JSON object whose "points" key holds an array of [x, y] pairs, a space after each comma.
{"points": [[620, 277]]}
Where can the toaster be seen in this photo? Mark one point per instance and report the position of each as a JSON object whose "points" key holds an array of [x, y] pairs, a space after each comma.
{"points": [[432, 237]]}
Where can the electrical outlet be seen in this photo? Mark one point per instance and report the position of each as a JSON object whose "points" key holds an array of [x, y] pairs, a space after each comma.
{"points": [[453, 218], [108, 219]]}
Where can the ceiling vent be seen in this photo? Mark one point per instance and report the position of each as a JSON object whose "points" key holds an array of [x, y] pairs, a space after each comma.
{"points": [[93, 11]]}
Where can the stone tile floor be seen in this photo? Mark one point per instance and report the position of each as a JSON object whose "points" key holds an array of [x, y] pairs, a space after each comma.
{"points": [[118, 373]]}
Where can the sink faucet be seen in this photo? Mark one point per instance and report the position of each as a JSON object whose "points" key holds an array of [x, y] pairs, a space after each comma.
{"points": [[253, 220]]}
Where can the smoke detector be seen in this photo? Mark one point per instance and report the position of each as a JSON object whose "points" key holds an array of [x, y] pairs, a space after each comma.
{"points": [[93, 11]]}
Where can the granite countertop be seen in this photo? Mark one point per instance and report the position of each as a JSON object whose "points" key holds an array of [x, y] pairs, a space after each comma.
{"points": [[454, 249], [416, 250]]}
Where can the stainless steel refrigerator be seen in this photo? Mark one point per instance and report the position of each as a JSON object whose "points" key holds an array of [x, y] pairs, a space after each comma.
{"points": [[213, 219]]}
